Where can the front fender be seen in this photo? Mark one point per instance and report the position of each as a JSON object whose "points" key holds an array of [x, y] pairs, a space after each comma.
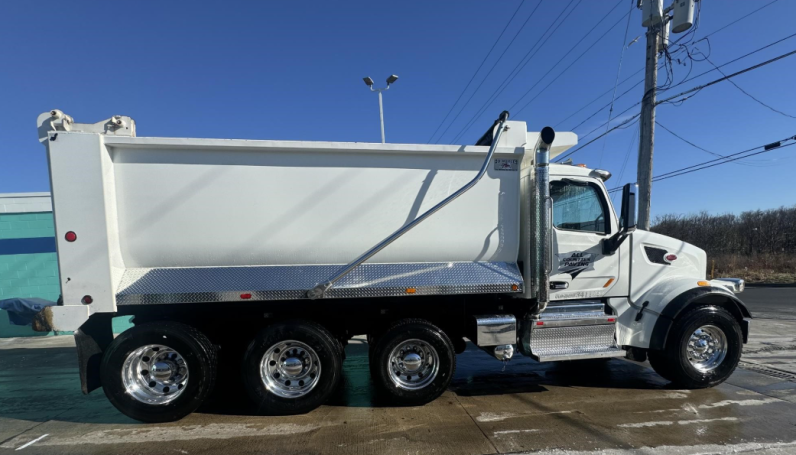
{"points": [[700, 296], [645, 323]]}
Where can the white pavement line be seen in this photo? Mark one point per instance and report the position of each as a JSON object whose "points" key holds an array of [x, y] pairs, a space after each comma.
{"points": [[740, 403], [773, 448], [138, 435], [670, 422], [495, 417], [646, 424], [33, 442], [501, 433]]}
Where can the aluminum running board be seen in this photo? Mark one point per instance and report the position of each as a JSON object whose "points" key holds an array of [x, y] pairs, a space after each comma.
{"points": [[320, 289], [146, 286], [572, 332]]}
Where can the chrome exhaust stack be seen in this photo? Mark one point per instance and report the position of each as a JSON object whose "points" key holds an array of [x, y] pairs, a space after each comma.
{"points": [[542, 219]]}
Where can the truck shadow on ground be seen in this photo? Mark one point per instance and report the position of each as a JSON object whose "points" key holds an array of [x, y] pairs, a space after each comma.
{"points": [[478, 374], [22, 396]]}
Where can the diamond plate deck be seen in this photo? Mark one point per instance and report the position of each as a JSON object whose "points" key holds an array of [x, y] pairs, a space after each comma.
{"points": [[145, 286], [574, 342]]}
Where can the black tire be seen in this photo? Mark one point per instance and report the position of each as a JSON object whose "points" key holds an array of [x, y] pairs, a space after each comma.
{"points": [[658, 363], [330, 356], [199, 355], [401, 331], [672, 363]]}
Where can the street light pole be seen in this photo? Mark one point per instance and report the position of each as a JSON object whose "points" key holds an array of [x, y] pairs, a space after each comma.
{"points": [[381, 114], [390, 81]]}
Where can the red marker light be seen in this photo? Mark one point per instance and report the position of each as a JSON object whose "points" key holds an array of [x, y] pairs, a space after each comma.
{"points": [[611, 319], [87, 299], [245, 296], [540, 323], [70, 236], [671, 257]]}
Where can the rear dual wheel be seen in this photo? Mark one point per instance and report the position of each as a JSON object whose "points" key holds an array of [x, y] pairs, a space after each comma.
{"points": [[412, 363], [159, 371], [292, 368]]}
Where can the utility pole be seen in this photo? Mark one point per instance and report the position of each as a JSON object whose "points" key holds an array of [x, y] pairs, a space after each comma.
{"points": [[657, 21], [647, 127]]}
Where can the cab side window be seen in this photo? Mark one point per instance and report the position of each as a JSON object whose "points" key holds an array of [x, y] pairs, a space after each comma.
{"points": [[578, 206]]}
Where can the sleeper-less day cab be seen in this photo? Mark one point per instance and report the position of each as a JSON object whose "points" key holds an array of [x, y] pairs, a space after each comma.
{"points": [[266, 257]]}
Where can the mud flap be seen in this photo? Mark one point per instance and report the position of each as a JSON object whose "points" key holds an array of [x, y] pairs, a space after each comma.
{"points": [[92, 338]]}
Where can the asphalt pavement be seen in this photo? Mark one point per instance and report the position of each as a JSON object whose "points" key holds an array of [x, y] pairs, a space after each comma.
{"points": [[613, 407]]}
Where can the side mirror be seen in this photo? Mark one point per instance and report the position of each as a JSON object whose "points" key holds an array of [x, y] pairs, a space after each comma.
{"points": [[627, 218]]}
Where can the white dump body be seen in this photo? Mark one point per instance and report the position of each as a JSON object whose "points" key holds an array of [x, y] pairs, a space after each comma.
{"points": [[199, 203], [206, 210]]}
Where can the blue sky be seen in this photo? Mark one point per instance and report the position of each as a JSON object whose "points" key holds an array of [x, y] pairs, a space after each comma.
{"points": [[293, 70]]}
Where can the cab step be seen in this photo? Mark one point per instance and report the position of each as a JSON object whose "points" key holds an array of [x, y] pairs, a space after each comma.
{"points": [[573, 331]]}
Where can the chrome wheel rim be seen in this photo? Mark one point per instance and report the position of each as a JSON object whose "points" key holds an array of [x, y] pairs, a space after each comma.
{"points": [[707, 348], [290, 369], [414, 364], [155, 374]]}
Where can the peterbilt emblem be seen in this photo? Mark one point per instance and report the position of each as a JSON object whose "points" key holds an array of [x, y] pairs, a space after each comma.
{"points": [[576, 262]]}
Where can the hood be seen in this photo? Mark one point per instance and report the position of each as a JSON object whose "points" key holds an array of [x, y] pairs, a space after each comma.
{"points": [[680, 258]]}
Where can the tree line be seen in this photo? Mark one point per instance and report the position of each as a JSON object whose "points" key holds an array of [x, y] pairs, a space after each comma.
{"points": [[767, 232]]}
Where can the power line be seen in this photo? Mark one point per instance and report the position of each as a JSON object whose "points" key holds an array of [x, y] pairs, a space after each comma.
{"points": [[566, 54], [616, 82], [687, 80], [719, 161], [683, 82], [627, 155], [749, 94], [600, 96], [561, 158], [556, 78], [745, 16], [522, 27], [694, 145], [657, 179], [716, 81], [734, 60], [520, 65], [479, 68], [694, 89]]}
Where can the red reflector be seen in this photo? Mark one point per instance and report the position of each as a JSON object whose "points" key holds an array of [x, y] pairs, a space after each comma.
{"points": [[671, 257], [245, 296], [70, 236], [611, 319], [540, 323], [87, 299]]}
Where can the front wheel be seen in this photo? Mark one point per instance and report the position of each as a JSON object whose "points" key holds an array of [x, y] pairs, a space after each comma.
{"points": [[702, 350]]}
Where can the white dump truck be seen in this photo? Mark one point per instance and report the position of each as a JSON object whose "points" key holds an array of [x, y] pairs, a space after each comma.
{"points": [[268, 256]]}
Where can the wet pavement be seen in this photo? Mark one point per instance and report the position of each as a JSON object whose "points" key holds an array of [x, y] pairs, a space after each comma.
{"points": [[607, 406]]}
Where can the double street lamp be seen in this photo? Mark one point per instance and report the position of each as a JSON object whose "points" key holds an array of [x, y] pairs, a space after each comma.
{"points": [[390, 80]]}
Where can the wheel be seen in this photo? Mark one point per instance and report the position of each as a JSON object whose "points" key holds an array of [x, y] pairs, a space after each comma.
{"points": [[702, 350], [412, 362], [292, 367], [158, 371]]}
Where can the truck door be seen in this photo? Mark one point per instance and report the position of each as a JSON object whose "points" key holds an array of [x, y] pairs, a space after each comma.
{"points": [[582, 218]]}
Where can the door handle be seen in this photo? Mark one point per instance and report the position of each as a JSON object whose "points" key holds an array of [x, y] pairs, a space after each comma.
{"points": [[557, 285]]}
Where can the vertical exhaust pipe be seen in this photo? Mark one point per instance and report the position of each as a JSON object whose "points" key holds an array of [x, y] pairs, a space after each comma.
{"points": [[542, 211]]}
